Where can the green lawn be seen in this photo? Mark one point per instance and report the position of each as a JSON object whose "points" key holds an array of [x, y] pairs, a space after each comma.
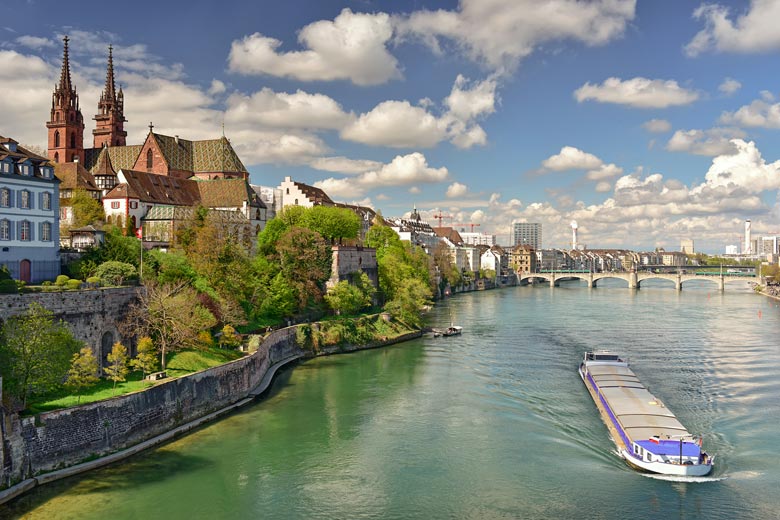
{"points": [[179, 364]]}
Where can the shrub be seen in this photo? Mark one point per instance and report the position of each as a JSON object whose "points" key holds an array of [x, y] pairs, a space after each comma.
{"points": [[46, 283], [61, 280], [116, 273], [93, 279], [8, 287], [73, 285]]}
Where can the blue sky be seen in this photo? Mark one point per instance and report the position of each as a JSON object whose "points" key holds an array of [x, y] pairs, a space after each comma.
{"points": [[645, 121]]}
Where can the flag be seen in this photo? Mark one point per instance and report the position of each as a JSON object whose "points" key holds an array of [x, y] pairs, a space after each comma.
{"points": [[139, 233]]}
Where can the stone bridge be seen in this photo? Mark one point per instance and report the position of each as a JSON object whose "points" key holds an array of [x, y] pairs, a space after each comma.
{"points": [[634, 279]]}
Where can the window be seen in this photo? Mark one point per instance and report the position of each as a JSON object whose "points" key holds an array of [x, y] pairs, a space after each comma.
{"points": [[133, 205], [24, 199], [73, 140], [114, 204], [57, 136], [149, 159], [46, 200], [5, 197], [24, 230], [57, 157], [46, 231], [5, 230]]}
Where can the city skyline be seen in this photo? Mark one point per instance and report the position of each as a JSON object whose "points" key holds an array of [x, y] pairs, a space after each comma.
{"points": [[646, 122]]}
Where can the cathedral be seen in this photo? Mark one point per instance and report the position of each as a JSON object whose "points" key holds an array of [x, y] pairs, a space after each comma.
{"points": [[159, 154], [132, 180]]}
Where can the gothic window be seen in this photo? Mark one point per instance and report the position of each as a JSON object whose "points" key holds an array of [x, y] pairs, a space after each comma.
{"points": [[57, 137], [46, 231], [56, 157], [24, 230], [5, 230], [149, 159], [46, 200], [73, 140], [5, 197], [24, 199]]}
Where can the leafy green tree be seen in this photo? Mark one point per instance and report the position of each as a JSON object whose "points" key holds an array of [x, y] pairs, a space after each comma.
{"points": [[205, 339], [117, 368], [82, 372], [87, 210], [146, 358], [116, 273], [171, 314], [412, 296], [351, 298], [334, 224], [117, 247], [35, 353], [280, 299], [305, 261]]}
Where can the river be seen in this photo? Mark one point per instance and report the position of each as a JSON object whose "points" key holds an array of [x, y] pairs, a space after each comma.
{"points": [[495, 423]]}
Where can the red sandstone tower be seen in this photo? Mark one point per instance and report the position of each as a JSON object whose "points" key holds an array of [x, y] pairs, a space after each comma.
{"points": [[109, 130], [66, 127]]}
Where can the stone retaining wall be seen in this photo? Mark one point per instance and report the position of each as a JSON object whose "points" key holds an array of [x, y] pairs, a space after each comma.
{"points": [[53, 440]]}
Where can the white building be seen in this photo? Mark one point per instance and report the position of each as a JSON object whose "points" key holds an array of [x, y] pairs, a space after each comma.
{"points": [[29, 214], [478, 239]]}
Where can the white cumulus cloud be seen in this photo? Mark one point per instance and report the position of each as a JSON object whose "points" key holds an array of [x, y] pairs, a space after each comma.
{"points": [[571, 158], [500, 33], [637, 92], [712, 142], [762, 113], [753, 31], [456, 190], [403, 170], [351, 47], [284, 110], [729, 86], [657, 126]]}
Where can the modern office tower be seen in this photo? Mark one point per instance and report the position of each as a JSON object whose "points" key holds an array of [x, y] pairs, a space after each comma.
{"points": [[529, 233], [686, 246]]}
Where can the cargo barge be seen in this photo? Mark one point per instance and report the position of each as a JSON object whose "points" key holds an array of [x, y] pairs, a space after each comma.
{"points": [[648, 436]]}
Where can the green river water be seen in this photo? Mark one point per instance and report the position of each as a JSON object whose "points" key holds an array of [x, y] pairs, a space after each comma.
{"points": [[495, 423]]}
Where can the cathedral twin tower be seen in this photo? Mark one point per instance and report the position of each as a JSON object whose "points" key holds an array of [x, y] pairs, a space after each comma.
{"points": [[66, 126]]}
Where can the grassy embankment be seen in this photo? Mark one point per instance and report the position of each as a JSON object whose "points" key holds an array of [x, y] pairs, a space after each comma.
{"points": [[179, 364]]}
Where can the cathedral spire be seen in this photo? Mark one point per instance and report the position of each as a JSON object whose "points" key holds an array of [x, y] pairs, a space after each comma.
{"points": [[109, 92], [109, 130], [65, 84], [66, 125]]}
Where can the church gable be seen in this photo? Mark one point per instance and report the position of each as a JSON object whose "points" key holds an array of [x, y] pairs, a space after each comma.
{"points": [[151, 158]]}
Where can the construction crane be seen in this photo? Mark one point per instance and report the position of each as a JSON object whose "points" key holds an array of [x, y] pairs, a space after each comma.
{"points": [[472, 224], [441, 217]]}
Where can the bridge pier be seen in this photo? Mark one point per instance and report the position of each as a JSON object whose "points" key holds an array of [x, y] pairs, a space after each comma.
{"points": [[633, 283], [721, 284], [590, 281], [678, 283]]}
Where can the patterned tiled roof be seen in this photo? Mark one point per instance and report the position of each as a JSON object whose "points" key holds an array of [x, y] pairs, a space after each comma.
{"points": [[121, 157], [185, 213], [227, 193], [73, 176], [210, 155], [103, 166]]}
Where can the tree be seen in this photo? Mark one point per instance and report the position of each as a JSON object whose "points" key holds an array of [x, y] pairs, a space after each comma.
{"points": [[334, 224], [305, 261], [229, 338], [146, 359], [117, 368], [83, 371], [412, 297], [35, 353], [170, 314], [116, 273], [351, 298], [87, 210]]}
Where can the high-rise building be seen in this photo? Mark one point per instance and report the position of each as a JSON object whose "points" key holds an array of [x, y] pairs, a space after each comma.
{"points": [[686, 246], [527, 233]]}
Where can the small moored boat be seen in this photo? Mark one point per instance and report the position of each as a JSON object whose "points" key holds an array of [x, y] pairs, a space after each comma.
{"points": [[452, 330], [649, 437]]}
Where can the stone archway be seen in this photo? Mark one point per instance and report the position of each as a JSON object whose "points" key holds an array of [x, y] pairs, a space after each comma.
{"points": [[106, 343]]}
